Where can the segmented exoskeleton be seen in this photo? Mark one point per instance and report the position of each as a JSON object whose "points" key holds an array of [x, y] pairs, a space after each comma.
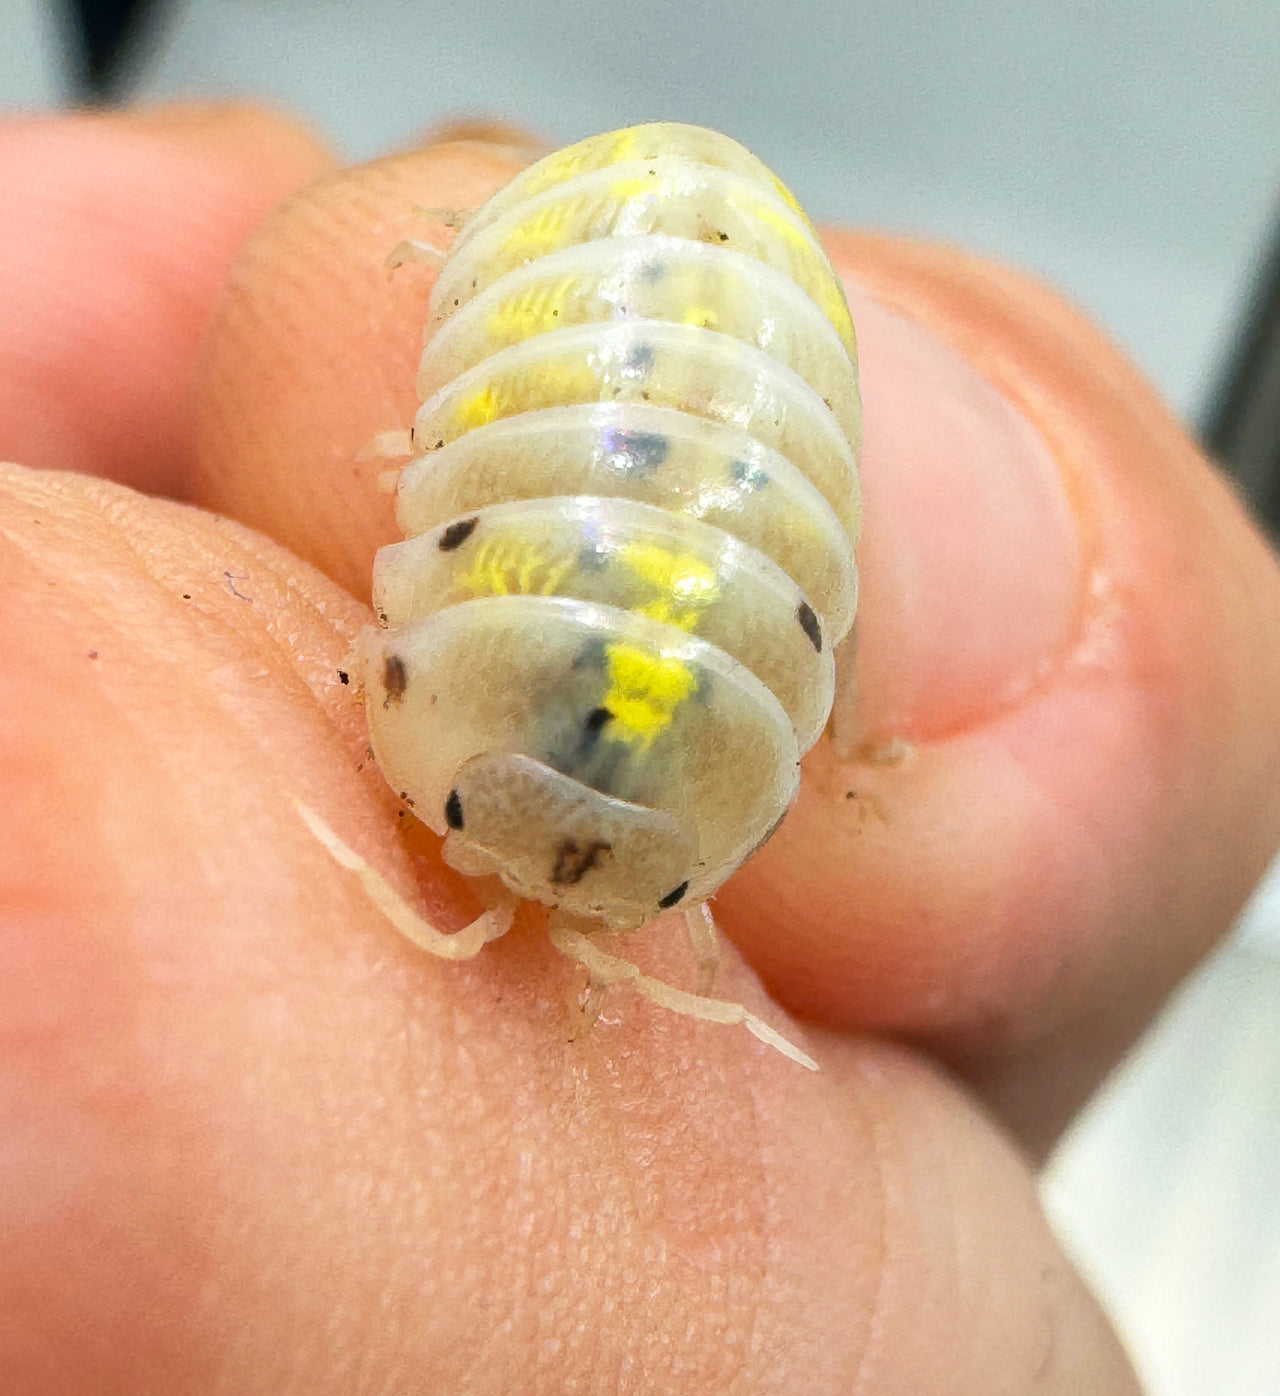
{"points": [[607, 637]]}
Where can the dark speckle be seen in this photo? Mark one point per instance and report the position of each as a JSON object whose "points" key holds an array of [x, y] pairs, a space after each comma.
{"points": [[93, 654], [453, 810], [395, 679], [639, 361], [457, 533], [343, 676], [641, 450], [186, 596], [231, 579], [597, 719], [724, 237], [747, 476], [674, 895], [809, 624], [575, 860]]}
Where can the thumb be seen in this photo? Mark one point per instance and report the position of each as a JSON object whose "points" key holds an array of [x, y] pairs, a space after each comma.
{"points": [[1066, 624]]}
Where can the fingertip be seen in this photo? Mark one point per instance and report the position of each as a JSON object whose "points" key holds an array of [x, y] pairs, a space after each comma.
{"points": [[1027, 881]]}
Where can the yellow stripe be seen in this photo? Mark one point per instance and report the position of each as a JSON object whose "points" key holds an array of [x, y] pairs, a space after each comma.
{"points": [[644, 692], [684, 585], [534, 311]]}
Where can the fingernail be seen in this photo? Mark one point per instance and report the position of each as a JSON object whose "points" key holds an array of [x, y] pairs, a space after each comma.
{"points": [[970, 557]]}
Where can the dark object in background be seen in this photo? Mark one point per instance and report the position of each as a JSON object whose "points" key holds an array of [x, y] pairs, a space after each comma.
{"points": [[106, 37], [1242, 428]]}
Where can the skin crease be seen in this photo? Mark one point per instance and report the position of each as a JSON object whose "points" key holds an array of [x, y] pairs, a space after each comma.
{"points": [[255, 1142]]}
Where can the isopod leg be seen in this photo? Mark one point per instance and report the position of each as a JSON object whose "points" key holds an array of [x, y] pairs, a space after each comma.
{"points": [[415, 250], [387, 445], [411, 924], [844, 725], [703, 943], [606, 969]]}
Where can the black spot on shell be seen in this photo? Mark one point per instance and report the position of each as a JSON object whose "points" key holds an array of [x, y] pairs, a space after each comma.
{"points": [[457, 533], [343, 676], [641, 450], [453, 810], [395, 679], [639, 361], [596, 721], [674, 895], [575, 860], [809, 624], [747, 476]]}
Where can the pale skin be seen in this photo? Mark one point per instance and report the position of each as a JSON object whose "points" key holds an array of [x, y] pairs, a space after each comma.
{"points": [[255, 1141]]}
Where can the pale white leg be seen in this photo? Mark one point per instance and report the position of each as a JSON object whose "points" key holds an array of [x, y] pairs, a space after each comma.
{"points": [[606, 969], [387, 445], [454, 218], [703, 943], [415, 250], [462, 945], [845, 723]]}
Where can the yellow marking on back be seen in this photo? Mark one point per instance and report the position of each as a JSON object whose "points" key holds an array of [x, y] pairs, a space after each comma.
{"points": [[623, 149], [543, 231], [785, 227], [816, 277], [684, 585], [478, 409], [634, 188], [644, 692], [537, 385], [592, 154], [505, 566], [788, 197], [556, 169], [531, 312], [701, 317]]}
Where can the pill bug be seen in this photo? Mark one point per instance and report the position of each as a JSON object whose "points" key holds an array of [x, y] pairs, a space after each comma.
{"points": [[606, 639]]}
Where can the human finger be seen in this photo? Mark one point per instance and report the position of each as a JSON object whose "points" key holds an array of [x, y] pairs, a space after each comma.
{"points": [[117, 234], [1066, 638], [255, 1141]]}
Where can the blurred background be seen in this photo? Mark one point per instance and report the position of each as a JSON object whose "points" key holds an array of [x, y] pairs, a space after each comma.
{"points": [[1126, 150]]}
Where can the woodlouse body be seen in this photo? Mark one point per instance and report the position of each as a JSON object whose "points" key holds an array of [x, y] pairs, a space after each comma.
{"points": [[607, 637]]}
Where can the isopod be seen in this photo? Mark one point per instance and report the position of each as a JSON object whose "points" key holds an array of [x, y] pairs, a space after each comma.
{"points": [[606, 639]]}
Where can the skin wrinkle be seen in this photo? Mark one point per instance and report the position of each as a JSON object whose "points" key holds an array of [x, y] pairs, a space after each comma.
{"points": [[865, 1372]]}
